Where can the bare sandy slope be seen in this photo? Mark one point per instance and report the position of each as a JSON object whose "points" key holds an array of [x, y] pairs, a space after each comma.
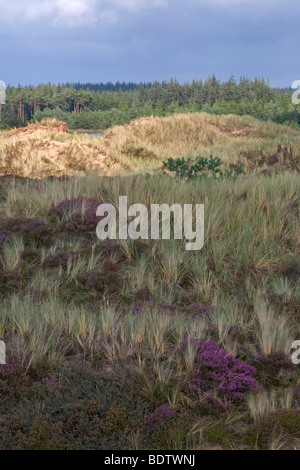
{"points": [[47, 148]]}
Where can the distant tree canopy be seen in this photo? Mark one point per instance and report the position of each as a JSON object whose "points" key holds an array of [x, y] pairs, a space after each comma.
{"points": [[102, 105]]}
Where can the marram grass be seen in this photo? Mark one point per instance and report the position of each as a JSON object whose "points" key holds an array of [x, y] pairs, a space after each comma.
{"points": [[101, 337]]}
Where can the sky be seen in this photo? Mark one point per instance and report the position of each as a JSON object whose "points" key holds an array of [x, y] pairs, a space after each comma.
{"points": [[62, 41]]}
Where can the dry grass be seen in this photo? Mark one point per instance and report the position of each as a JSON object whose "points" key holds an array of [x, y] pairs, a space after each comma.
{"points": [[47, 149], [149, 141]]}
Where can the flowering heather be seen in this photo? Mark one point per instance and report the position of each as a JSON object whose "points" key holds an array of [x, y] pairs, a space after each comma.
{"points": [[101, 281], [51, 383], [161, 417], [31, 229], [5, 236], [216, 369], [80, 213], [137, 309], [93, 280], [142, 295], [10, 280], [273, 159], [200, 309], [62, 258], [72, 205], [16, 383], [275, 357]]}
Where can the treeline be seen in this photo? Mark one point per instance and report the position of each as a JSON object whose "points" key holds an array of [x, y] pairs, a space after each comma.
{"points": [[109, 86], [100, 106]]}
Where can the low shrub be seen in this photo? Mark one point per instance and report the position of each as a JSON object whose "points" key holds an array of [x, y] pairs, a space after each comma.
{"points": [[10, 281], [60, 259], [201, 166], [168, 427], [274, 369], [218, 378], [31, 229], [5, 237], [18, 383], [80, 214]]}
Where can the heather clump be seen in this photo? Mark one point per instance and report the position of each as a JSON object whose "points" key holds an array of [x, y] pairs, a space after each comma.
{"points": [[71, 205], [162, 417], [60, 259], [17, 383], [218, 374], [168, 427], [100, 281], [93, 280], [5, 237], [83, 425], [273, 159], [14, 431], [78, 214], [43, 435], [141, 295], [30, 229], [10, 281], [116, 420], [274, 369]]}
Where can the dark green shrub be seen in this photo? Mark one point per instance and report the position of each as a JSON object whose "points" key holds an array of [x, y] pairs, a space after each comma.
{"points": [[201, 166]]}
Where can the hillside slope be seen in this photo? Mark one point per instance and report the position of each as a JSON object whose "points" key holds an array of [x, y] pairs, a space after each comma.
{"points": [[48, 149]]}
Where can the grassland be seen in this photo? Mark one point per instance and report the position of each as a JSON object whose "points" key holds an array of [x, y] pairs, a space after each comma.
{"points": [[124, 345]]}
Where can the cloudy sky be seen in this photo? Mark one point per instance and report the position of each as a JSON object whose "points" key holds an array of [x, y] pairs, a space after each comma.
{"points": [[145, 40]]}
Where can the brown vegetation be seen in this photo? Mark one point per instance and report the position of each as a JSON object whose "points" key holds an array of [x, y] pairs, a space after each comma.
{"points": [[48, 149]]}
